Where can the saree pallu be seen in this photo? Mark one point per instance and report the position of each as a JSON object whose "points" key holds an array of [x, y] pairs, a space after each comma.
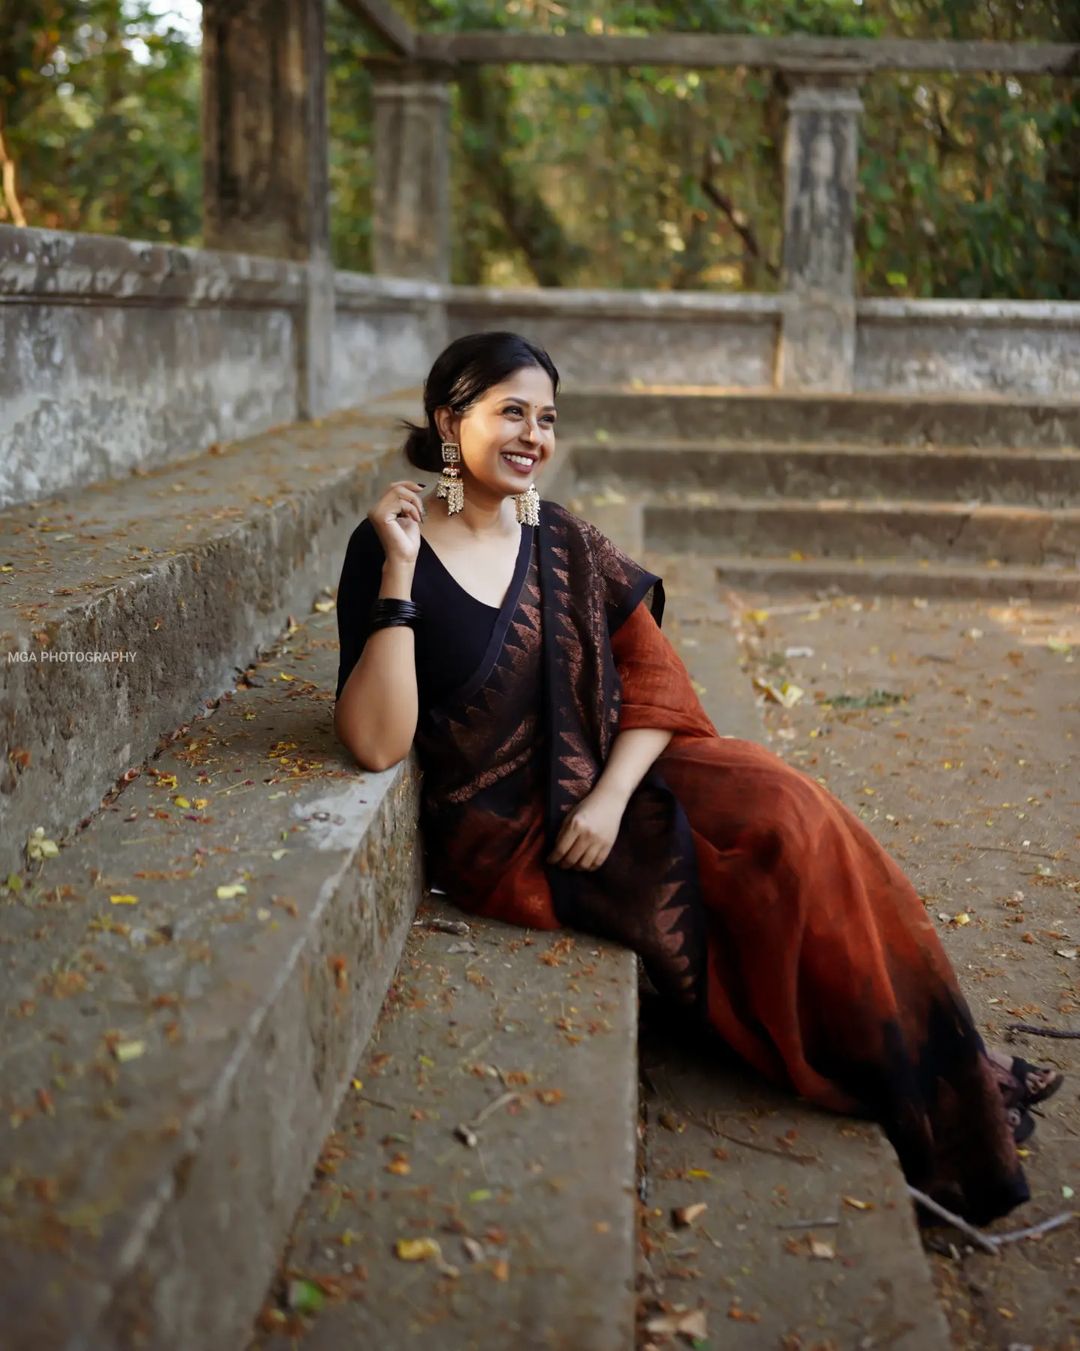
{"points": [[756, 900]]}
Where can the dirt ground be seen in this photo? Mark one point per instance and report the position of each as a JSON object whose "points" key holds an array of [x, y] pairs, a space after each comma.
{"points": [[953, 728]]}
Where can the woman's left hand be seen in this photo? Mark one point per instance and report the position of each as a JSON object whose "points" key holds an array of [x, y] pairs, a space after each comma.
{"points": [[588, 832]]}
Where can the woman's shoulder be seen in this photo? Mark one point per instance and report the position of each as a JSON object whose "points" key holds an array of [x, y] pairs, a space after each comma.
{"points": [[364, 543]]}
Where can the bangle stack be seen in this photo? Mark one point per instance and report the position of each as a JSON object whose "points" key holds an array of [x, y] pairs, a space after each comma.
{"points": [[389, 613]]}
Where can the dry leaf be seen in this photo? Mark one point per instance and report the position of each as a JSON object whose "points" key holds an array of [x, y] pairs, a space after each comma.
{"points": [[820, 1249], [124, 899], [691, 1323], [684, 1215], [856, 1204], [417, 1249]]}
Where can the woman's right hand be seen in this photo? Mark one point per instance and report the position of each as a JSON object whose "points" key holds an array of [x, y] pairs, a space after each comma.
{"points": [[396, 517]]}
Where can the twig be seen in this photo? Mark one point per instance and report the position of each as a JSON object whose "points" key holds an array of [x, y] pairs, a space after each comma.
{"points": [[810, 1224], [980, 1239], [990, 1242], [445, 926], [1018, 851], [1036, 1230], [377, 1102], [765, 1149], [466, 1132], [1034, 1031]]}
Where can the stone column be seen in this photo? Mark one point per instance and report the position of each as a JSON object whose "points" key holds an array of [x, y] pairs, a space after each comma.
{"points": [[265, 178], [817, 346], [411, 229]]}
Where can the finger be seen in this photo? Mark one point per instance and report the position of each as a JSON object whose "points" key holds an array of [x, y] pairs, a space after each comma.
{"points": [[562, 844], [403, 491], [409, 510], [574, 855]]}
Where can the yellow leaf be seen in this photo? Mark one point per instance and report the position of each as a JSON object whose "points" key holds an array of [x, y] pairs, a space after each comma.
{"points": [[231, 892], [698, 1172], [324, 606], [128, 1050], [797, 556], [856, 1204], [200, 803], [1059, 645], [283, 676], [123, 900], [417, 1249], [182, 802], [962, 918], [757, 616]]}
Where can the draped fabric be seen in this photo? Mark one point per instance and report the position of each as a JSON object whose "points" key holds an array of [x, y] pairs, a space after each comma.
{"points": [[756, 900]]}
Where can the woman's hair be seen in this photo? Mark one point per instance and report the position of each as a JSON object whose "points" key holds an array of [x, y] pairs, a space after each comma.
{"points": [[469, 367]]}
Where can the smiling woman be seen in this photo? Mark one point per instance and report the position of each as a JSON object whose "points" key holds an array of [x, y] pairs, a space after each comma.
{"points": [[572, 779]]}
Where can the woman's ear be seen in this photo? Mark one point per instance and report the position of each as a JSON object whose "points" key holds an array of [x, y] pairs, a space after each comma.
{"points": [[444, 421]]}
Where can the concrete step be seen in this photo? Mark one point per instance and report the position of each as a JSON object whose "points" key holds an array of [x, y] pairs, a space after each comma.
{"points": [[703, 413], [173, 1053], [188, 571], [807, 1238], [846, 528], [896, 577], [1028, 477], [534, 1219]]}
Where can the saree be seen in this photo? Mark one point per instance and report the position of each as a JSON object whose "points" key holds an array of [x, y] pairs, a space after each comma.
{"points": [[758, 903]]}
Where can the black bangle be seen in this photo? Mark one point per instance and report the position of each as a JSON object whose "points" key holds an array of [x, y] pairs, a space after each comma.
{"points": [[389, 613]]}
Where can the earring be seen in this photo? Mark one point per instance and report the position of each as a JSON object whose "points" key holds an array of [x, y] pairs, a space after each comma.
{"points": [[527, 506], [450, 485]]}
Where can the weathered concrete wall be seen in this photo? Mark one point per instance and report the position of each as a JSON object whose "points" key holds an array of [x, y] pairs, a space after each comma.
{"points": [[617, 337], [116, 354], [387, 332], [969, 346]]}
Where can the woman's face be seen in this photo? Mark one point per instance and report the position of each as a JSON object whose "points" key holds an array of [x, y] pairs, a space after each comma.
{"points": [[507, 435]]}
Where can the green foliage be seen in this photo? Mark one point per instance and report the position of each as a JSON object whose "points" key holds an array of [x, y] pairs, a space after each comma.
{"points": [[647, 177]]}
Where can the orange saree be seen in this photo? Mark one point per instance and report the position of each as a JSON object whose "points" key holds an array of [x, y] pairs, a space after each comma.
{"points": [[755, 899]]}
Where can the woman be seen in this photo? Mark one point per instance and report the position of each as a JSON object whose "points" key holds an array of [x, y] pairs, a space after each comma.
{"points": [[572, 779]]}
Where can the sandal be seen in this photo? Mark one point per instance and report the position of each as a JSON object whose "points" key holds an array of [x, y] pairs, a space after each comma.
{"points": [[1022, 1123], [1022, 1071]]}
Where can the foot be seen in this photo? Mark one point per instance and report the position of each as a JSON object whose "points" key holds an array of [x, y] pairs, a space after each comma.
{"points": [[1036, 1082]]}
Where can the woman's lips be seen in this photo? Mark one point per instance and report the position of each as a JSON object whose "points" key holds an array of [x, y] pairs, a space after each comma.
{"points": [[523, 469]]}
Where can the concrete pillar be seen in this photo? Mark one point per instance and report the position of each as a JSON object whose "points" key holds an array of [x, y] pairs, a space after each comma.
{"points": [[411, 229], [265, 179], [817, 346]]}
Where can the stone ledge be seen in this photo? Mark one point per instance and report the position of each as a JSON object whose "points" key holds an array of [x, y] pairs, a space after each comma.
{"points": [[174, 1054], [548, 1189], [195, 592]]}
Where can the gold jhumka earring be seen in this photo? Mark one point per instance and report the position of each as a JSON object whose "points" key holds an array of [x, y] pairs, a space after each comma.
{"points": [[450, 484], [527, 506]]}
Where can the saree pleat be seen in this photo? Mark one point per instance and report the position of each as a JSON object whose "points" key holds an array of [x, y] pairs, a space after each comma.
{"points": [[758, 903]]}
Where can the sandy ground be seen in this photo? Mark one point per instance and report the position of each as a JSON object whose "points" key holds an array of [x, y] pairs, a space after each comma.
{"points": [[953, 728]]}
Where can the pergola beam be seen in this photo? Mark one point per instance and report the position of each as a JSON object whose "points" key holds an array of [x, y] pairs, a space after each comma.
{"points": [[382, 19], [803, 55]]}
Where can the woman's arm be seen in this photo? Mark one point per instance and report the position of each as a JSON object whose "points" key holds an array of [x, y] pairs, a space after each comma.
{"points": [[375, 716], [632, 754], [589, 831]]}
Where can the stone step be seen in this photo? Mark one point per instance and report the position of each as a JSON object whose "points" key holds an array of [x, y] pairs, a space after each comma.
{"points": [[174, 1053], [666, 469], [895, 577], [807, 1239], [188, 570], [534, 1219], [845, 528], [702, 413]]}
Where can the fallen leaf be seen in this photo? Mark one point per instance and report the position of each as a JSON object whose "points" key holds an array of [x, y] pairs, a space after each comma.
{"points": [[826, 1252], [417, 1249], [229, 893], [856, 1204], [690, 1323], [128, 1050], [684, 1215]]}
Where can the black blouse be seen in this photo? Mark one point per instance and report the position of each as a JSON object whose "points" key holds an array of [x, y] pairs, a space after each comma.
{"points": [[454, 628]]}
